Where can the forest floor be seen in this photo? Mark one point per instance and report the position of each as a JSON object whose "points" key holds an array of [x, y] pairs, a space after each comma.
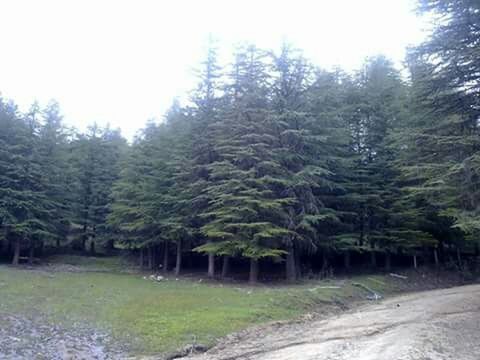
{"points": [[102, 308]]}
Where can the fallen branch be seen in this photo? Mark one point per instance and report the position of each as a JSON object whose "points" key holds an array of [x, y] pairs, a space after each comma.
{"points": [[325, 287], [398, 276]]}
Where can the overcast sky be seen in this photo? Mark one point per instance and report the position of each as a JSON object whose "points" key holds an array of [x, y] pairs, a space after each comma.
{"points": [[122, 62]]}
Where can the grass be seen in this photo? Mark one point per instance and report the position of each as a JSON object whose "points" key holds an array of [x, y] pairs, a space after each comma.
{"points": [[159, 316]]}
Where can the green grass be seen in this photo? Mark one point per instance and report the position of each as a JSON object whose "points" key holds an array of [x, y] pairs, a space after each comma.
{"points": [[158, 316]]}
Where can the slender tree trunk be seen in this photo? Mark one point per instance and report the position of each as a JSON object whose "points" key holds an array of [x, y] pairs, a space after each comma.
{"points": [[346, 260], [16, 252], [9, 246], [415, 261], [435, 257], [178, 264], [324, 261], [298, 263], [154, 258], [373, 259], [253, 278], [225, 266], [4, 245], [475, 258], [58, 243], [459, 258], [92, 246], [441, 252], [41, 249], [165, 258], [149, 256], [84, 238], [211, 266], [142, 262], [291, 270], [31, 254], [388, 261]]}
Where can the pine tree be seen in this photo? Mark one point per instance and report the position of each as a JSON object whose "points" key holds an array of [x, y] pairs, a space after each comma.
{"points": [[149, 208], [96, 161], [205, 116], [377, 100], [307, 147], [25, 210], [244, 217], [54, 155], [443, 167]]}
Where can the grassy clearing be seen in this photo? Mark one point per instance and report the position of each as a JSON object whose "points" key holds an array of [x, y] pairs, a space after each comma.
{"points": [[160, 316]]}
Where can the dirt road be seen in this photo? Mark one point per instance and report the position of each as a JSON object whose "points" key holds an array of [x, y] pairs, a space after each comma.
{"points": [[433, 325]]}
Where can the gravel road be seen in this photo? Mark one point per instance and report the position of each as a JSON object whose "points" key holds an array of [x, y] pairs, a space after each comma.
{"points": [[433, 325]]}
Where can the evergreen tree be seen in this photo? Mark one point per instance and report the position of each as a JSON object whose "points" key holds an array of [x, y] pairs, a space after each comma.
{"points": [[442, 164], [25, 210], [53, 150], [96, 162], [203, 152], [244, 218]]}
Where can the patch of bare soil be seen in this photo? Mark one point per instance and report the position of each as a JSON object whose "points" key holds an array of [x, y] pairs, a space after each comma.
{"points": [[36, 338], [431, 325]]}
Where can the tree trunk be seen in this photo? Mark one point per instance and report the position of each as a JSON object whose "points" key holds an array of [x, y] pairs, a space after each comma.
{"points": [[149, 256], [435, 257], [324, 261], [16, 252], [441, 252], [92, 246], [298, 268], [154, 258], [84, 237], [346, 260], [253, 278], [291, 271], [142, 262], [414, 261], [110, 244], [178, 264], [31, 253], [41, 249], [373, 259], [459, 259], [475, 258], [225, 266], [388, 261], [211, 266], [165, 258], [58, 242]]}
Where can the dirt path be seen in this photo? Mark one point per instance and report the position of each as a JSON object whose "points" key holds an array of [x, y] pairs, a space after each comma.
{"points": [[433, 325]]}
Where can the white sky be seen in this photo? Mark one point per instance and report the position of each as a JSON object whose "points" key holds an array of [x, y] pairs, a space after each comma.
{"points": [[123, 61]]}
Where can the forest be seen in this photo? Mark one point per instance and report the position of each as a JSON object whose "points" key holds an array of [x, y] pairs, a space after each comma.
{"points": [[272, 163]]}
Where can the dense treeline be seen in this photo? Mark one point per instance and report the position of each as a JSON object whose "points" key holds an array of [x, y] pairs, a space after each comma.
{"points": [[273, 160], [55, 184]]}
